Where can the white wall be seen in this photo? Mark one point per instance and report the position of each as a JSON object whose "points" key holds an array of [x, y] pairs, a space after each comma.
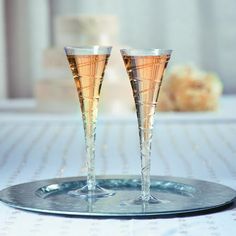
{"points": [[3, 78], [27, 35]]}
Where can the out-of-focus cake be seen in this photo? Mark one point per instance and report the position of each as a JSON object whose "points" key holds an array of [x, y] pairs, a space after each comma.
{"points": [[187, 88], [86, 30], [56, 91], [56, 95], [55, 65]]}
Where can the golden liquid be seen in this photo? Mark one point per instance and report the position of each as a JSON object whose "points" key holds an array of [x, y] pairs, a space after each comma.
{"points": [[88, 72], [145, 74]]}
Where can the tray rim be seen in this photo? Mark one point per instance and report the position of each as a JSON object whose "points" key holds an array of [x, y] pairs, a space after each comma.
{"points": [[119, 215]]}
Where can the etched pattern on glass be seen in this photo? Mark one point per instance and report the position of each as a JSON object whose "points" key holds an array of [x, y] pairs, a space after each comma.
{"points": [[145, 74], [88, 72]]}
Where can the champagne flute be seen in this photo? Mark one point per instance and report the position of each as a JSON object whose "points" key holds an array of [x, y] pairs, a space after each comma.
{"points": [[88, 66], [145, 68]]}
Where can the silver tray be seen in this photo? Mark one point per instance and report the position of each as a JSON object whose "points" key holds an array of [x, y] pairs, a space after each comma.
{"points": [[177, 195]]}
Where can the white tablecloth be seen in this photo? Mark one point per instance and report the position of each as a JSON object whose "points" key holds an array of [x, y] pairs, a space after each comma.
{"points": [[34, 147]]}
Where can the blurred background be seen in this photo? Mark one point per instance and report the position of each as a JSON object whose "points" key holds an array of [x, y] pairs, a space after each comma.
{"points": [[34, 68]]}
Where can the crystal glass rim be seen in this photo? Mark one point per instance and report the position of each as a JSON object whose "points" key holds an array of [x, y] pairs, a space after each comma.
{"points": [[145, 52], [88, 50]]}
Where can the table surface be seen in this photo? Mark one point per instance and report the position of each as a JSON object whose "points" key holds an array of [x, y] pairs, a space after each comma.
{"points": [[192, 145]]}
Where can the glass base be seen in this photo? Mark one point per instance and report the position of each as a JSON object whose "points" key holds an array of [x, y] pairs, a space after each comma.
{"points": [[98, 192], [140, 201], [151, 200]]}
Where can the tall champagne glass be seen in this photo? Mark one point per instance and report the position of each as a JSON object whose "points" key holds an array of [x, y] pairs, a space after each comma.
{"points": [[145, 68], [88, 65]]}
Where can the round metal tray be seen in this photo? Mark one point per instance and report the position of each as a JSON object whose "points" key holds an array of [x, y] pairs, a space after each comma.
{"points": [[177, 196]]}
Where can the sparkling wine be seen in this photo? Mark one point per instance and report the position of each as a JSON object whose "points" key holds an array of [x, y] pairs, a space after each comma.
{"points": [[88, 71], [145, 73]]}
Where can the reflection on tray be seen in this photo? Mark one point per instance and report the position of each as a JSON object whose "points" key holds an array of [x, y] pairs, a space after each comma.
{"points": [[119, 185]]}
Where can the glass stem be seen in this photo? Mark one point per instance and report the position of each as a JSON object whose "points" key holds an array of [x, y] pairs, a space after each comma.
{"points": [[90, 137], [145, 148]]}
